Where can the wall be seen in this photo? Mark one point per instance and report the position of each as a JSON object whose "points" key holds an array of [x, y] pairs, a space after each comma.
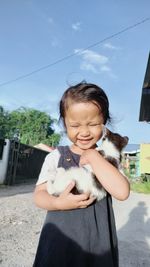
{"points": [[145, 158], [4, 161]]}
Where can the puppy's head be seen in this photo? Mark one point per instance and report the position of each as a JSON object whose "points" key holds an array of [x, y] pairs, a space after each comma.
{"points": [[119, 141]]}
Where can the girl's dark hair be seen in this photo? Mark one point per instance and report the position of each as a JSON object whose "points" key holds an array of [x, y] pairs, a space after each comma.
{"points": [[85, 92]]}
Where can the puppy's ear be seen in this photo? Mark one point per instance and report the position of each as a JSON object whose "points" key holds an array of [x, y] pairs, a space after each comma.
{"points": [[104, 131], [126, 140]]}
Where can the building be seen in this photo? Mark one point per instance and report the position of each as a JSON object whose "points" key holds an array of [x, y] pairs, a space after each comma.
{"points": [[145, 98], [131, 160], [136, 160], [145, 158]]}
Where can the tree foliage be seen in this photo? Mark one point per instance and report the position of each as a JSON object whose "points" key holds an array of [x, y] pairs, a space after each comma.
{"points": [[4, 127], [30, 126]]}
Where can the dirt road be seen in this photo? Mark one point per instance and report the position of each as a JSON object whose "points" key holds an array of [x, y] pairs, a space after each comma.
{"points": [[21, 222]]}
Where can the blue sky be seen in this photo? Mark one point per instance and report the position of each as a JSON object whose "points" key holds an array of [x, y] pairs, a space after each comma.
{"points": [[36, 33]]}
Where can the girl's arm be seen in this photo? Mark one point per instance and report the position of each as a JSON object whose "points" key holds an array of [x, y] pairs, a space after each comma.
{"points": [[65, 201], [111, 179]]}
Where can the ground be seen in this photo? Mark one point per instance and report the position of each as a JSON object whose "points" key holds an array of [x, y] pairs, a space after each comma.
{"points": [[21, 222]]}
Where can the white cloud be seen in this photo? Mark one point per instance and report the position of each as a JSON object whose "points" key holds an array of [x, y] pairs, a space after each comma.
{"points": [[111, 47], [76, 26], [105, 69], [91, 56], [94, 58], [87, 66], [92, 61]]}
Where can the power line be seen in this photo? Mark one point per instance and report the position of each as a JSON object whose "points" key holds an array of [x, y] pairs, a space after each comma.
{"points": [[75, 53]]}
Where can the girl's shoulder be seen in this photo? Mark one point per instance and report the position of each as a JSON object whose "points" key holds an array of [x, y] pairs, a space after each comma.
{"points": [[52, 157], [49, 166], [55, 154]]}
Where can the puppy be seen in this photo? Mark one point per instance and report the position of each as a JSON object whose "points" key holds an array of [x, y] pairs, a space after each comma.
{"points": [[112, 146], [85, 181]]}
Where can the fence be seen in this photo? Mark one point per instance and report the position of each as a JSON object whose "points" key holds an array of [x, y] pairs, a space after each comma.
{"points": [[24, 163]]}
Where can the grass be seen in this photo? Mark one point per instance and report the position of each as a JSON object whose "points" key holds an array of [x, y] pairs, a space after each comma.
{"points": [[139, 184], [140, 187]]}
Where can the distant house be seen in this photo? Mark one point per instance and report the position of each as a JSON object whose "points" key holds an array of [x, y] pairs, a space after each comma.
{"points": [[145, 158], [131, 160], [132, 149], [136, 159]]}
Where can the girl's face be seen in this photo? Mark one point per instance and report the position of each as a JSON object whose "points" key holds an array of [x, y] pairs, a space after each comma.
{"points": [[84, 125]]}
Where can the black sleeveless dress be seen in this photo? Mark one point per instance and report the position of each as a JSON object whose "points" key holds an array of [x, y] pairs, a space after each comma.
{"points": [[80, 237]]}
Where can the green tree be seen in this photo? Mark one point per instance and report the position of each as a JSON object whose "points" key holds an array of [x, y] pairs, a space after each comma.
{"points": [[4, 127], [31, 126], [53, 139]]}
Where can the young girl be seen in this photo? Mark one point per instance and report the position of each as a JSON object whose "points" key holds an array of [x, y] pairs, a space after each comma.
{"points": [[80, 231]]}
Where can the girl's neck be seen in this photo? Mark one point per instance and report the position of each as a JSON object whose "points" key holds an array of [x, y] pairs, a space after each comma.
{"points": [[77, 150]]}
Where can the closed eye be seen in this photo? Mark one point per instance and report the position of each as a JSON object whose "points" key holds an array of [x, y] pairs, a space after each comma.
{"points": [[96, 124]]}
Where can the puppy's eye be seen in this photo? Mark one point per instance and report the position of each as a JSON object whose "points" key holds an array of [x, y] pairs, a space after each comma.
{"points": [[103, 139]]}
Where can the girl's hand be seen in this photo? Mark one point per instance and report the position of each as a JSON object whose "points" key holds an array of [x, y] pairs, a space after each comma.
{"points": [[67, 200], [88, 156]]}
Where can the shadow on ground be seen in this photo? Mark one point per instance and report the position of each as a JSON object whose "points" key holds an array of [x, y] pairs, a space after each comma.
{"points": [[134, 245]]}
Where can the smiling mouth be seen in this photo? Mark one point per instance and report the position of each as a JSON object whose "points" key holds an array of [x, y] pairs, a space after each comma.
{"points": [[84, 140]]}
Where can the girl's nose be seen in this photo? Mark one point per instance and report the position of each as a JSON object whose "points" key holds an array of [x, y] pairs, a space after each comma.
{"points": [[84, 131]]}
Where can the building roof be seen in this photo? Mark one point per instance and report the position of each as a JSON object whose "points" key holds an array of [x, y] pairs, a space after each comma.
{"points": [[132, 148], [44, 147]]}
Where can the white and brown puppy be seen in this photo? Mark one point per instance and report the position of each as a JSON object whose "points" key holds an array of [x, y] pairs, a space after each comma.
{"points": [[85, 181]]}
